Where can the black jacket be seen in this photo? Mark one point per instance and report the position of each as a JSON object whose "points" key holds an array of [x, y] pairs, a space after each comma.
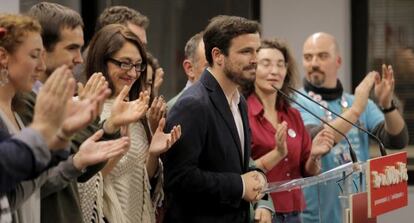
{"points": [[202, 170]]}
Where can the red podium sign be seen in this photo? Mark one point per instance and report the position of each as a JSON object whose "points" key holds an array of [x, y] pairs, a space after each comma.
{"points": [[358, 204], [387, 183]]}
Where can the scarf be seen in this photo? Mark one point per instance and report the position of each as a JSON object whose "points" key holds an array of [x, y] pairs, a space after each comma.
{"points": [[328, 94]]}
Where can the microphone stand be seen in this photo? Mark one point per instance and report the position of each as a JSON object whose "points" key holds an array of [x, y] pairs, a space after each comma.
{"points": [[381, 145], [351, 151], [356, 166]]}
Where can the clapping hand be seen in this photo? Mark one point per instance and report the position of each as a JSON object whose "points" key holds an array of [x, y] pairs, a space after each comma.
{"points": [[82, 111], [158, 80], [126, 112], [322, 143], [362, 92], [93, 151], [280, 137], [156, 112], [50, 107], [161, 141], [384, 86]]}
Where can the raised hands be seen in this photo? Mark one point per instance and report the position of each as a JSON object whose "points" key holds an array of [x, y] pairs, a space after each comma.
{"points": [[92, 152], [322, 143], [158, 80], [161, 141], [280, 138], [50, 108], [95, 83], [156, 112], [362, 92], [384, 86], [82, 112], [126, 112]]}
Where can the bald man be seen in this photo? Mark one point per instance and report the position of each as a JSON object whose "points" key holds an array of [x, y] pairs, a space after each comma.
{"points": [[321, 61]]}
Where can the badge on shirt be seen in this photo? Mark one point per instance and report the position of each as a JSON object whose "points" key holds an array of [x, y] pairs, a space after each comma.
{"points": [[291, 133]]}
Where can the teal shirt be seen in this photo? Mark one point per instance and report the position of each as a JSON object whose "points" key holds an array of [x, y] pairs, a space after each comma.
{"points": [[328, 201]]}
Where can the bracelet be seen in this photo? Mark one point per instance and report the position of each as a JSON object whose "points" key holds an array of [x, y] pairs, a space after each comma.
{"points": [[62, 136], [390, 109]]}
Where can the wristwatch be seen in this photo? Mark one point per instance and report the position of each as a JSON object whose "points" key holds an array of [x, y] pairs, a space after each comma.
{"points": [[390, 109]]}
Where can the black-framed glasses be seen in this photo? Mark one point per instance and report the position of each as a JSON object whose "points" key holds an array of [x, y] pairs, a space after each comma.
{"points": [[139, 67]]}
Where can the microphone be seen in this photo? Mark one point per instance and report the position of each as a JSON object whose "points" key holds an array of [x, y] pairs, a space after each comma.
{"points": [[372, 136], [351, 150]]}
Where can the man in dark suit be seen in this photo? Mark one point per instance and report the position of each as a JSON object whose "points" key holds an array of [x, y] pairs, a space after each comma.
{"points": [[207, 172]]}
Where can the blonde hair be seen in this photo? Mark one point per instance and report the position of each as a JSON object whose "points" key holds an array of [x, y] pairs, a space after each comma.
{"points": [[16, 29]]}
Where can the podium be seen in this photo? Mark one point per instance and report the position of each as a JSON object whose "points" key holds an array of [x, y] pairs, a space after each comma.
{"points": [[355, 192]]}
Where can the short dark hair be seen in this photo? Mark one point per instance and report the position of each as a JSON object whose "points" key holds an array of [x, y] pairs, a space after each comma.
{"points": [[291, 78], [121, 15], [222, 29], [53, 18], [104, 44], [192, 45]]}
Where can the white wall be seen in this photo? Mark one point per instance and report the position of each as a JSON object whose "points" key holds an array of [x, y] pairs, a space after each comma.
{"points": [[11, 6], [295, 20]]}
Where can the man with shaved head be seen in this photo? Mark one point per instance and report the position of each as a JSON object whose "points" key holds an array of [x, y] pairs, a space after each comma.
{"points": [[321, 61]]}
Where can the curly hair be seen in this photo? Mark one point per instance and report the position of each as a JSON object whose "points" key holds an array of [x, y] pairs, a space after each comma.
{"points": [[121, 15], [15, 29]]}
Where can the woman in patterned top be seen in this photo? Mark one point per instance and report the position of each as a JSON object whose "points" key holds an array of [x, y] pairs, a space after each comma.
{"points": [[120, 56]]}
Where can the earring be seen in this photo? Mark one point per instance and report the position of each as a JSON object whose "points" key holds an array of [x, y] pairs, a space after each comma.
{"points": [[4, 76]]}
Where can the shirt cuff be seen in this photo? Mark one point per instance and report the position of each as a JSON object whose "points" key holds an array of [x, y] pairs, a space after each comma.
{"points": [[266, 207], [69, 171]]}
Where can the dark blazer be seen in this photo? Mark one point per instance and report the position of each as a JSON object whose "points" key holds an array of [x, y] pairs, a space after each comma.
{"points": [[202, 170]]}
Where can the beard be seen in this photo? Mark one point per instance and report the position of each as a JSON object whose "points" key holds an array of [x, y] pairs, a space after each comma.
{"points": [[240, 77], [316, 80]]}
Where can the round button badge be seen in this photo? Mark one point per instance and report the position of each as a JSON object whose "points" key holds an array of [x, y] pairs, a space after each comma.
{"points": [[291, 133]]}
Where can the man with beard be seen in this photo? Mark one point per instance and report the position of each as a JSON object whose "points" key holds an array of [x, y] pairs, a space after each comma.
{"points": [[207, 172], [322, 60]]}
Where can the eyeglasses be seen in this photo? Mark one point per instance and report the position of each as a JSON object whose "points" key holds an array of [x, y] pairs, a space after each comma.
{"points": [[267, 64], [139, 67]]}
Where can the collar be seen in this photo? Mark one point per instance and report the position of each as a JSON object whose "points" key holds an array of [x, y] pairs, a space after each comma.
{"points": [[188, 84], [254, 105], [233, 99], [327, 94]]}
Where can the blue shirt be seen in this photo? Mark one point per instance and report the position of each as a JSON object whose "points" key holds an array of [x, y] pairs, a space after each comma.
{"points": [[328, 202]]}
